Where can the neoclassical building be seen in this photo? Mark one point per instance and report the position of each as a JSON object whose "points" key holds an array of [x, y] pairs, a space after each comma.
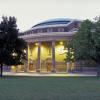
{"points": [[45, 42]]}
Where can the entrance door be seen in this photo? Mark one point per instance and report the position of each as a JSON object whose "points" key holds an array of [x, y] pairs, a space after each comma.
{"points": [[31, 67], [49, 64]]}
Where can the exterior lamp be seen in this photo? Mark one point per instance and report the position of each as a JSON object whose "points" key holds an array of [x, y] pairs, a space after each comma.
{"points": [[24, 51], [14, 54], [36, 44], [61, 43]]}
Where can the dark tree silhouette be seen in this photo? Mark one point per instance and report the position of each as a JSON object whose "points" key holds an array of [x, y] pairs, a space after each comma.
{"points": [[11, 47]]}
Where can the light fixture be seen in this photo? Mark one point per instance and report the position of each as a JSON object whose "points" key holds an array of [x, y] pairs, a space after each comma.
{"points": [[36, 44], [24, 51], [61, 43], [14, 54]]}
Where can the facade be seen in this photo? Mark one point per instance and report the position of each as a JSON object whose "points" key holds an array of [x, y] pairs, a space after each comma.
{"points": [[45, 40]]}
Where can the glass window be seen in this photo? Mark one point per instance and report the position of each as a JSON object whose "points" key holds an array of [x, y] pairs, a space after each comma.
{"points": [[60, 29], [49, 29]]}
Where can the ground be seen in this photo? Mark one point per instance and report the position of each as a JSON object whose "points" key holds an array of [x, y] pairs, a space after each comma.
{"points": [[49, 88]]}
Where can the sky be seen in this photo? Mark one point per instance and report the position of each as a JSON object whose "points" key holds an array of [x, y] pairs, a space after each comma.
{"points": [[31, 12]]}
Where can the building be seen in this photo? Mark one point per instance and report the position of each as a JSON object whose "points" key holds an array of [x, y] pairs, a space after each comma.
{"points": [[45, 41]]}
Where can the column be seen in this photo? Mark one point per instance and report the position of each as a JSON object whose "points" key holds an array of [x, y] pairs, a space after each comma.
{"points": [[53, 57], [27, 59], [39, 57], [68, 59]]}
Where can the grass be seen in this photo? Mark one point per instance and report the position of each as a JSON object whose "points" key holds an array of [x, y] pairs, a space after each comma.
{"points": [[50, 88]]}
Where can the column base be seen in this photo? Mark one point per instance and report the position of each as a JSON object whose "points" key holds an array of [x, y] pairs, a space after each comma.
{"points": [[37, 70], [53, 71], [25, 70]]}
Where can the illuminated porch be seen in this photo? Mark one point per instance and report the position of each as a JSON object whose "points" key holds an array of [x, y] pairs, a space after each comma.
{"points": [[46, 56]]}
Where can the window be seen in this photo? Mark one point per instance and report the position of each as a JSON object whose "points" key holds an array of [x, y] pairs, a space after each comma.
{"points": [[49, 29], [39, 31], [60, 29]]}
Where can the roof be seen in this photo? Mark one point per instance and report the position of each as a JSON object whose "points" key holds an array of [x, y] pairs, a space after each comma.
{"points": [[56, 21]]}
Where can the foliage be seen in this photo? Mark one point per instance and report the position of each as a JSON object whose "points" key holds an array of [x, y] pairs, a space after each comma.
{"points": [[69, 53], [86, 42], [11, 47]]}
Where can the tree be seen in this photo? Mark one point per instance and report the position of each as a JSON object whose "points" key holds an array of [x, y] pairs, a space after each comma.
{"points": [[11, 47], [86, 42], [69, 55]]}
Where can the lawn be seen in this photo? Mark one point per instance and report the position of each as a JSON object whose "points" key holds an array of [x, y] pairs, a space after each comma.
{"points": [[50, 88]]}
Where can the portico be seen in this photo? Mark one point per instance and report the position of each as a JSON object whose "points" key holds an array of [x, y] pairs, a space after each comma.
{"points": [[45, 50], [47, 55]]}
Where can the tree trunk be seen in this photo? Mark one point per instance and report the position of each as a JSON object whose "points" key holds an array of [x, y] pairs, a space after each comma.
{"points": [[98, 69], [1, 67]]}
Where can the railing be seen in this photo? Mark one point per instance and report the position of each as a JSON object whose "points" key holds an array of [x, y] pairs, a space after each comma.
{"points": [[61, 66], [80, 69]]}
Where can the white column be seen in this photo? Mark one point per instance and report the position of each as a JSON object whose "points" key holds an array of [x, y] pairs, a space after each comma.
{"points": [[27, 59], [39, 57], [68, 62], [53, 57]]}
